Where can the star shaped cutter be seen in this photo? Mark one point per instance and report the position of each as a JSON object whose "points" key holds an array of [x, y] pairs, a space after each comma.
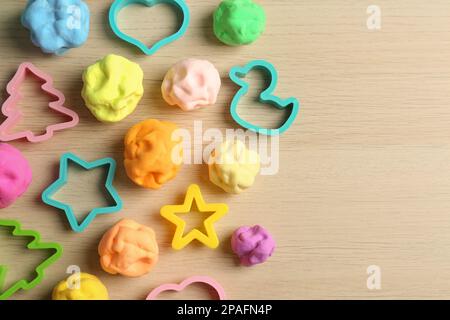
{"points": [[194, 194], [62, 180]]}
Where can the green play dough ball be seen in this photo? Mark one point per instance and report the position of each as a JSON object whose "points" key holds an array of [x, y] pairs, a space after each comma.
{"points": [[238, 22]]}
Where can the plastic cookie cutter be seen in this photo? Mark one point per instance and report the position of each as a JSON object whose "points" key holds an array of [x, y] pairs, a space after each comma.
{"points": [[14, 115], [62, 180], [180, 5], [236, 75], [185, 283], [209, 239], [35, 244]]}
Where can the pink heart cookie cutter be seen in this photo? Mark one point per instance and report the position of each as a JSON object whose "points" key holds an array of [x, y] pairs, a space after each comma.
{"points": [[185, 283], [14, 115]]}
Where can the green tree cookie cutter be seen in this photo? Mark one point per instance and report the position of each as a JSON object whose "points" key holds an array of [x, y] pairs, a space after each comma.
{"points": [[35, 244], [266, 96], [180, 5]]}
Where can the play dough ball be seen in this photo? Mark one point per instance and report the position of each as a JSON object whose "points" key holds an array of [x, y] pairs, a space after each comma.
{"points": [[191, 84], [80, 286], [233, 167], [15, 174], [152, 154], [252, 245], [238, 22], [112, 88], [129, 249], [57, 25]]}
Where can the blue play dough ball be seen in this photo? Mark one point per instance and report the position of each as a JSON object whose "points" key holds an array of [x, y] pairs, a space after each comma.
{"points": [[57, 25]]}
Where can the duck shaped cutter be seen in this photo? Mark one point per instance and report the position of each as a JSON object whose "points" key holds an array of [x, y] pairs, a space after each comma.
{"points": [[291, 104]]}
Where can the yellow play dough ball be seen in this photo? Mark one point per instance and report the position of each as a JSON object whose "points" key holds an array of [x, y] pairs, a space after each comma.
{"points": [[233, 167], [88, 288], [112, 88]]}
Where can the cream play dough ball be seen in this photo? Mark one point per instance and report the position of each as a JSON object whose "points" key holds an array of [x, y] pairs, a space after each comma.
{"points": [[191, 84], [233, 167]]}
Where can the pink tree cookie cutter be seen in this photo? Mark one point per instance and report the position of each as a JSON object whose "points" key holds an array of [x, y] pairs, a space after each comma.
{"points": [[14, 115], [185, 283]]}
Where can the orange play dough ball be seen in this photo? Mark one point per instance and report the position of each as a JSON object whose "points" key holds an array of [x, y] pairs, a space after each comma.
{"points": [[151, 153], [129, 249]]}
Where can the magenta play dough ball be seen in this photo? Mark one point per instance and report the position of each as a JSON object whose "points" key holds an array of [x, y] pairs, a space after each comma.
{"points": [[15, 175]]}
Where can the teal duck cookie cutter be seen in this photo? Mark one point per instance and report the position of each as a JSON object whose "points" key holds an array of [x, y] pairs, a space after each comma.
{"points": [[34, 244], [266, 96], [62, 180], [180, 5]]}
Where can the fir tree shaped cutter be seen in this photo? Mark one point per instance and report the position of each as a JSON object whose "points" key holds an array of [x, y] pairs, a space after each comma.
{"points": [[34, 244], [14, 115]]}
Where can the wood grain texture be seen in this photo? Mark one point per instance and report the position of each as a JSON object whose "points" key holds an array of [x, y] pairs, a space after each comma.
{"points": [[364, 176]]}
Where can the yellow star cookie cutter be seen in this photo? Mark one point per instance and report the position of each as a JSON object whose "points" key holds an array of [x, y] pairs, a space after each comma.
{"points": [[209, 239]]}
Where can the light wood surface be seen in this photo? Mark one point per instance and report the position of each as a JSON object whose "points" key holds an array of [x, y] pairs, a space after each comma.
{"points": [[364, 174]]}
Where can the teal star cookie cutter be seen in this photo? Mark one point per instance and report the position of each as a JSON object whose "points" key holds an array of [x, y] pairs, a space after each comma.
{"points": [[180, 5], [62, 180], [266, 96]]}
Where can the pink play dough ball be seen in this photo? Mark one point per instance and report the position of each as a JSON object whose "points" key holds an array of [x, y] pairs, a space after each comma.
{"points": [[252, 245], [191, 84], [15, 174]]}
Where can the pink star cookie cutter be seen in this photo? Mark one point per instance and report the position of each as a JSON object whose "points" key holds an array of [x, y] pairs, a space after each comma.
{"points": [[185, 283], [14, 115]]}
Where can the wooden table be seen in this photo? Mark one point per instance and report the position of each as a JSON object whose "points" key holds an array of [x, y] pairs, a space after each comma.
{"points": [[364, 173]]}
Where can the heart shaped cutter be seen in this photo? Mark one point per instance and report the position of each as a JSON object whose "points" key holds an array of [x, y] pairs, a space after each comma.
{"points": [[120, 4], [236, 75], [180, 287]]}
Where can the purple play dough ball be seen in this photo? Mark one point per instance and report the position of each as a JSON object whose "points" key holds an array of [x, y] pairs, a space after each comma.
{"points": [[252, 245]]}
